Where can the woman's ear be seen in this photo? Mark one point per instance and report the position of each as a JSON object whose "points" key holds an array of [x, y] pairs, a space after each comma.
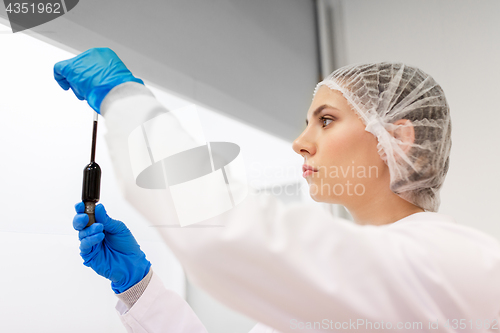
{"points": [[405, 132]]}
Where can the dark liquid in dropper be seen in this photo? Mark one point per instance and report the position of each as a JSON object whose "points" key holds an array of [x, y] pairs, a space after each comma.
{"points": [[94, 137], [92, 174]]}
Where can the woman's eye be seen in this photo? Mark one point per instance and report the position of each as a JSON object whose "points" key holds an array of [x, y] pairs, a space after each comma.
{"points": [[325, 119]]}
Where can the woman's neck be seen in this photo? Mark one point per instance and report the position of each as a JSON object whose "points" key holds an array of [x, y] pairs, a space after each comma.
{"points": [[382, 209]]}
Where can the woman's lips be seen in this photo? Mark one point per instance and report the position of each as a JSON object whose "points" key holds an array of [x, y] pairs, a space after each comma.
{"points": [[307, 173], [308, 170]]}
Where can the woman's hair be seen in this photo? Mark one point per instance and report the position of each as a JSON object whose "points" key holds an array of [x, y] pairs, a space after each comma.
{"points": [[383, 93]]}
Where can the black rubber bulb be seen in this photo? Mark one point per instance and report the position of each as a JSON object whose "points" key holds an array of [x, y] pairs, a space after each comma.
{"points": [[91, 189]]}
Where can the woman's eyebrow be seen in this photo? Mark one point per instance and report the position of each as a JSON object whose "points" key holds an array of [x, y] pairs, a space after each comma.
{"points": [[319, 109]]}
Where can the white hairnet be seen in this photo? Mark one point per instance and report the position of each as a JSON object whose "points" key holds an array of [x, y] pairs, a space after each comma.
{"points": [[383, 93]]}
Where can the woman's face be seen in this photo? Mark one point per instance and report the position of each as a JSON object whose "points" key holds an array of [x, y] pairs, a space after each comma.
{"points": [[335, 143]]}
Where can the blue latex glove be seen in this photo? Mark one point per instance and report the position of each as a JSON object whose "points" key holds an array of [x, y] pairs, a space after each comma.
{"points": [[92, 74], [109, 248]]}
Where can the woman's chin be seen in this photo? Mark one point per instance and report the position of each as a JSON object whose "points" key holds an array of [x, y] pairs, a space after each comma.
{"points": [[323, 197], [319, 198]]}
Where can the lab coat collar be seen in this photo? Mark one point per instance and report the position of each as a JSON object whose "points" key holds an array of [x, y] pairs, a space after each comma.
{"points": [[425, 217]]}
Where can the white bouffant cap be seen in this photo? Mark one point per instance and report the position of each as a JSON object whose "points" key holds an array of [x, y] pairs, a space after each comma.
{"points": [[383, 93]]}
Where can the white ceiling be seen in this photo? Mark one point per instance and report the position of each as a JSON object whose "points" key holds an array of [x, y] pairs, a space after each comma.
{"points": [[255, 61]]}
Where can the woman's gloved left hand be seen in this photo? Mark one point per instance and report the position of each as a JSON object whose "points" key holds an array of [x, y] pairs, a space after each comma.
{"points": [[92, 74], [109, 248]]}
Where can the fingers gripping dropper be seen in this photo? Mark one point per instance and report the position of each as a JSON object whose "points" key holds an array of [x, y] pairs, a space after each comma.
{"points": [[91, 180]]}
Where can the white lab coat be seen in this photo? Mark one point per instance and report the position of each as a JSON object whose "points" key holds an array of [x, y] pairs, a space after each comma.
{"points": [[288, 266]]}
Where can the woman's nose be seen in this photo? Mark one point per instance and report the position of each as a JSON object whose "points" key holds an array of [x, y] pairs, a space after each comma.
{"points": [[303, 145]]}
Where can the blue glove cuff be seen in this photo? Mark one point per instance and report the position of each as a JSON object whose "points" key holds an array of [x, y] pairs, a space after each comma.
{"points": [[136, 275], [97, 95]]}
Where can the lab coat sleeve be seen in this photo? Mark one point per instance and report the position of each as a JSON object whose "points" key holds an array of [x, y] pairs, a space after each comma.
{"points": [[159, 310], [282, 265], [132, 295]]}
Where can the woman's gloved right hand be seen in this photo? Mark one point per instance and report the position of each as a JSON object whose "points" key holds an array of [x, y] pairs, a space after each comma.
{"points": [[92, 74], [110, 249]]}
